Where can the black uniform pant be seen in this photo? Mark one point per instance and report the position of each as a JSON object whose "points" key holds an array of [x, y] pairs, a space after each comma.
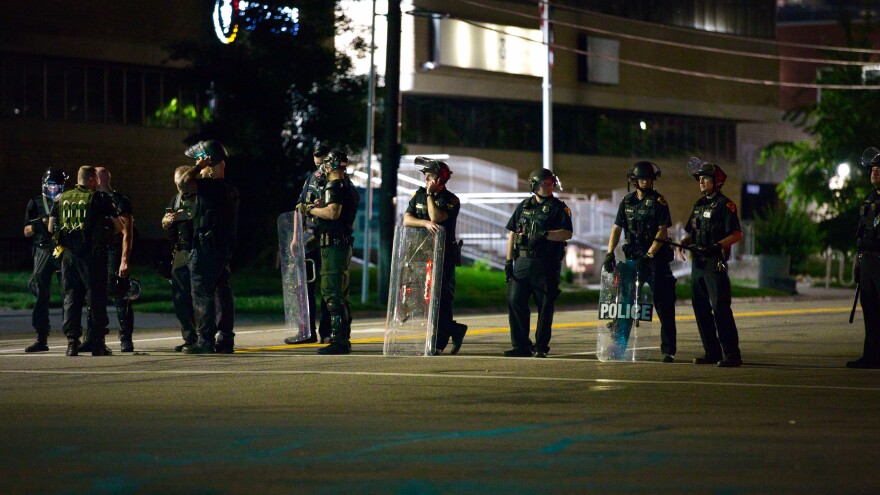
{"points": [[536, 278], [323, 326], [334, 289], [226, 303], [41, 282], [711, 301], [662, 284], [124, 313], [869, 296], [84, 275], [206, 266], [181, 296], [445, 323]]}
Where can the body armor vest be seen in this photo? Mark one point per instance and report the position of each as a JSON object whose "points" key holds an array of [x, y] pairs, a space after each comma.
{"points": [[641, 223], [534, 221], [868, 233], [75, 208], [339, 191], [707, 222]]}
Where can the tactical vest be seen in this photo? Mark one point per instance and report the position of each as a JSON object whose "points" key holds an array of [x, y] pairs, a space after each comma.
{"points": [[442, 200], [341, 230], [43, 207], [75, 217], [641, 223], [535, 220], [314, 185], [707, 222], [868, 233], [182, 231]]}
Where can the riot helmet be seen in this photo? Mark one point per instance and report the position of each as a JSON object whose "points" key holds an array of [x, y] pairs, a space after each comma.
{"points": [[430, 166], [334, 160], [699, 168], [870, 158], [53, 182], [212, 149], [539, 176], [124, 287], [642, 170], [321, 150]]}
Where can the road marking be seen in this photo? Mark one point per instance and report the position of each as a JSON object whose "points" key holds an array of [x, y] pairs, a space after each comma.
{"points": [[380, 374]]}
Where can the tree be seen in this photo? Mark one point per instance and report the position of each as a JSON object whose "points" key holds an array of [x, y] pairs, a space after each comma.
{"points": [[274, 95], [843, 123]]}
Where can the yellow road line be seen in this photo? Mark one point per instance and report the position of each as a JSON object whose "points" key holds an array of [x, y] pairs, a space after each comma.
{"points": [[578, 324]]}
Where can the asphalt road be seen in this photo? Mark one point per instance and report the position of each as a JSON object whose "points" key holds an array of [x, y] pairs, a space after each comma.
{"points": [[279, 419]]}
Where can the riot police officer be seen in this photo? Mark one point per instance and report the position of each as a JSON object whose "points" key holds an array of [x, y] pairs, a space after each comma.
{"points": [[311, 194], [118, 255], [712, 229], [431, 207], [36, 226], [867, 268], [335, 212], [179, 224], [539, 227], [213, 222], [83, 221], [643, 215]]}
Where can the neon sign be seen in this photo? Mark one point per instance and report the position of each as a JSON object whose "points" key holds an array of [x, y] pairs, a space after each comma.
{"points": [[231, 16]]}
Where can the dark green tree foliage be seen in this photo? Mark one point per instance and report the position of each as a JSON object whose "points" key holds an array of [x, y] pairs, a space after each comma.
{"points": [[843, 123], [789, 232], [274, 95]]}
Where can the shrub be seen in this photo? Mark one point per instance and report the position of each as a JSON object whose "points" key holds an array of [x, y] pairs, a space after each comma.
{"points": [[788, 232]]}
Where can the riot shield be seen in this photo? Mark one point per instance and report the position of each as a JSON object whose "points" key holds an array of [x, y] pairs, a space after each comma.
{"points": [[414, 292], [294, 277], [626, 308]]}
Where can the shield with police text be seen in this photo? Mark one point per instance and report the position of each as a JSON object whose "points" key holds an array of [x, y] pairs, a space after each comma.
{"points": [[414, 292], [626, 309], [294, 276]]}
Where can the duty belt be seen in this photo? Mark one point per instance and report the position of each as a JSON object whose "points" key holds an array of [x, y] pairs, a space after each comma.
{"points": [[526, 253], [334, 239]]}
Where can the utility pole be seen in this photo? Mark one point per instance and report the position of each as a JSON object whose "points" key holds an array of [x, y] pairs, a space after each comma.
{"points": [[547, 85], [391, 155], [365, 277]]}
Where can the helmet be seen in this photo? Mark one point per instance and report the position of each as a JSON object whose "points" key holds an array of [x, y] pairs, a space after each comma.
{"points": [[711, 170], [212, 149], [644, 170], [53, 182], [870, 157], [539, 176], [124, 287], [436, 167], [321, 150], [334, 160]]}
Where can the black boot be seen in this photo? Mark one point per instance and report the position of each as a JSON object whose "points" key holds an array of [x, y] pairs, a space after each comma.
{"points": [[336, 347], [458, 337], [99, 348], [73, 348], [125, 343], [39, 346], [225, 345]]}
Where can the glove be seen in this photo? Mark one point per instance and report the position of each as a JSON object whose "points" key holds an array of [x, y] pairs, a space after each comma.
{"points": [[302, 208], [609, 262], [508, 270], [644, 261]]}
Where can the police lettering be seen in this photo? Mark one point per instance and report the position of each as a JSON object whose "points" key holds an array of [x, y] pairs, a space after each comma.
{"points": [[626, 311]]}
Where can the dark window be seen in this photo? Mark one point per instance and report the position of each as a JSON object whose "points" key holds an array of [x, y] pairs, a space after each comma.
{"points": [[75, 97], [96, 94], [115, 96], [134, 97], [55, 90], [34, 92]]}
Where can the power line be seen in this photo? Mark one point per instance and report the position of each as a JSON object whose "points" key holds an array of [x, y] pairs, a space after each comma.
{"points": [[761, 82], [691, 31]]}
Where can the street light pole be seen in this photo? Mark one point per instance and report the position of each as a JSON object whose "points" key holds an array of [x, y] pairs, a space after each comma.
{"points": [[365, 277], [547, 86]]}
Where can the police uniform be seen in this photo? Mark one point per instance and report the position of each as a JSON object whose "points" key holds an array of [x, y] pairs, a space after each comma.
{"points": [[536, 271], [38, 208], [868, 243], [449, 203], [225, 298], [335, 238], [212, 222], [712, 220], [310, 194], [81, 218], [640, 219], [181, 233], [124, 312]]}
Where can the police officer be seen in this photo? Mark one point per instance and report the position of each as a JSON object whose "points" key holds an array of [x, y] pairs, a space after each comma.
{"points": [[178, 221], [213, 221], [311, 194], [431, 207], [867, 268], [118, 255], [36, 226], [644, 216], [539, 227], [83, 221], [225, 300], [712, 229], [335, 212]]}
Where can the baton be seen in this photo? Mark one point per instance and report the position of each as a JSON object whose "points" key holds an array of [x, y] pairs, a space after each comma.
{"points": [[689, 247], [852, 314]]}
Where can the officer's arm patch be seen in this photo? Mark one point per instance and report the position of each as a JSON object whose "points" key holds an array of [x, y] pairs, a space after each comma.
{"points": [[567, 211], [414, 195], [731, 206], [662, 200]]}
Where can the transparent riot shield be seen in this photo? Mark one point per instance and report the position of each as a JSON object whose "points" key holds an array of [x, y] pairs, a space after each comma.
{"points": [[414, 292], [626, 308], [294, 276]]}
